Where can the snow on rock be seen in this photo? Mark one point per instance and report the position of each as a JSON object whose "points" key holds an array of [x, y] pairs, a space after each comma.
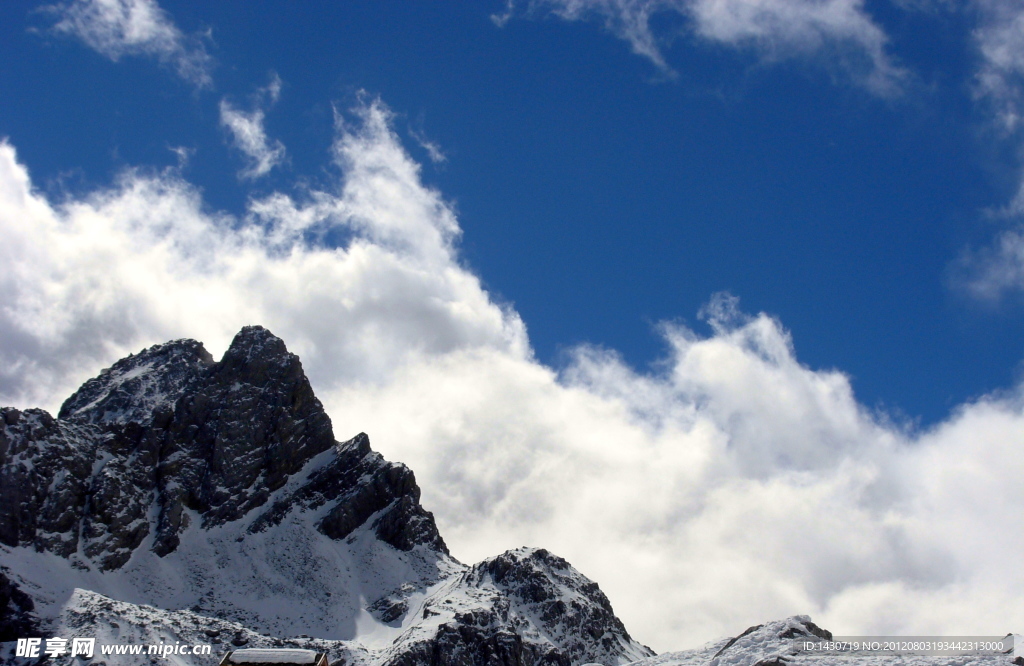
{"points": [[136, 387], [178, 499], [774, 644], [525, 606]]}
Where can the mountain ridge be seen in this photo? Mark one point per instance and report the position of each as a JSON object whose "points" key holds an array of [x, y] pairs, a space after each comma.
{"points": [[179, 492], [176, 498]]}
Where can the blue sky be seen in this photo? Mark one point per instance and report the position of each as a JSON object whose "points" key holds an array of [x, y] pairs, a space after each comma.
{"points": [[598, 194], [544, 212]]}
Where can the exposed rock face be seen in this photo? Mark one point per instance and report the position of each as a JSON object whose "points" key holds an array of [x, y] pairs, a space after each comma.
{"points": [[370, 486], [571, 606], [168, 429], [250, 423], [16, 612], [44, 479], [134, 388], [173, 489], [525, 606]]}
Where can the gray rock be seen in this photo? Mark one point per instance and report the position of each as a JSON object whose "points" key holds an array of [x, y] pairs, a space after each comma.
{"points": [[137, 386], [45, 472], [523, 607], [169, 429], [168, 433], [17, 617]]}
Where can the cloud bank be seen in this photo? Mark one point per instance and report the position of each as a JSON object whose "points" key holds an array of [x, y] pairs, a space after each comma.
{"points": [[731, 486], [93, 278], [773, 28], [116, 28]]}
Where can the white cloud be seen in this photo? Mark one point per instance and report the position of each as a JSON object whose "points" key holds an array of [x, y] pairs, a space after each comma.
{"points": [[116, 28], [272, 91], [995, 271], [732, 486], [183, 153], [774, 28], [141, 262], [433, 150], [1000, 41], [735, 487], [249, 135]]}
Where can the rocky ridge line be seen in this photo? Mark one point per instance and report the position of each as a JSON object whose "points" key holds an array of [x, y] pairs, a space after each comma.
{"points": [[169, 456]]}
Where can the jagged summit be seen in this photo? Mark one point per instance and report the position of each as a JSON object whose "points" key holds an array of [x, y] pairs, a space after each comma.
{"points": [[526, 587], [156, 434], [175, 495], [135, 387], [178, 498]]}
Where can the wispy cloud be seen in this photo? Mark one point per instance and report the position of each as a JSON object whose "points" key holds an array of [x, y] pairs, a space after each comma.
{"points": [[730, 486], [249, 135], [775, 29], [183, 153], [1000, 41], [432, 148], [116, 28], [993, 272]]}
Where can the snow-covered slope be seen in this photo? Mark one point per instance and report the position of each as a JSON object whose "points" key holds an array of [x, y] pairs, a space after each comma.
{"points": [[525, 606], [180, 500], [175, 496], [774, 644]]}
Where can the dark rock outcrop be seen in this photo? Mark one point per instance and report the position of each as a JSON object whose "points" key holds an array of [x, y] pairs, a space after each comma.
{"points": [[250, 423], [17, 619], [471, 645], [135, 387], [807, 628], [169, 430], [240, 455], [503, 605], [46, 467]]}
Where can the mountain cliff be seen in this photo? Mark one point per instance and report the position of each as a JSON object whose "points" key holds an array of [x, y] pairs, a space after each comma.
{"points": [[175, 498]]}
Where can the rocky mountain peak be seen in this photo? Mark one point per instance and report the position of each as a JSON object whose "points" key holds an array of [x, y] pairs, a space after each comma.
{"points": [[240, 433], [176, 495], [259, 354], [135, 387], [168, 432]]}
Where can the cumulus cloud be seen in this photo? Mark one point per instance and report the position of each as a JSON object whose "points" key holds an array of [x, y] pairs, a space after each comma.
{"points": [[731, 486], [142, 261], [736, 486], [774, 28], [248, 134], [117, 28]]}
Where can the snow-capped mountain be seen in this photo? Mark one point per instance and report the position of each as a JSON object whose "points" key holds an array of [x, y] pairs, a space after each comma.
{"points": [[178, 499], [777, 644]]}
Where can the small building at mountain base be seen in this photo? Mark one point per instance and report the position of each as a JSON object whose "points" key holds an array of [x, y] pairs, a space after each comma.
{"points": [[274, 656]]}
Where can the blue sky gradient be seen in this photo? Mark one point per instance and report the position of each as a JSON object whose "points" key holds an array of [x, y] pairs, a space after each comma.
{"points": [[596, 194]]}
